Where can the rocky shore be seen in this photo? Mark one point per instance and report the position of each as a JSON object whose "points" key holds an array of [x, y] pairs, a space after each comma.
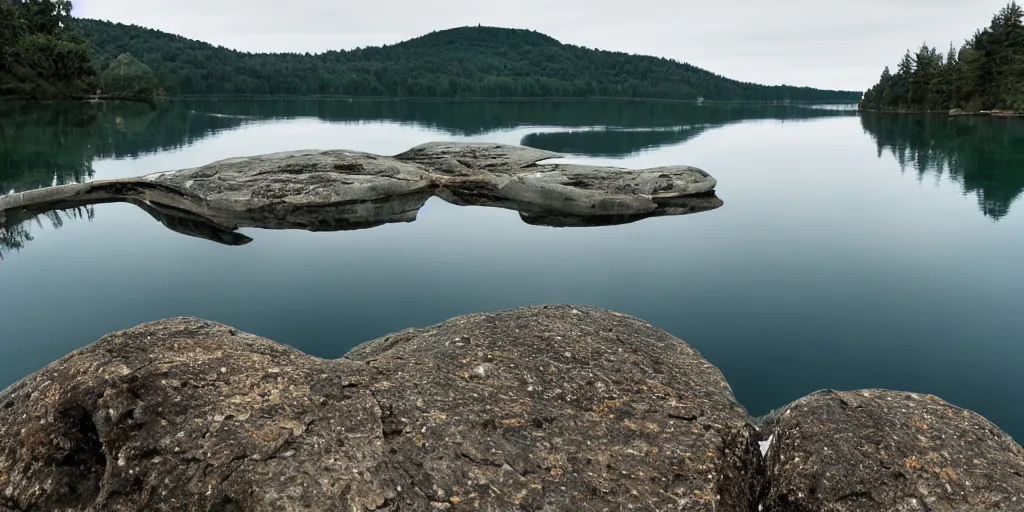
{"points": [[342, 190], [543, 408]]}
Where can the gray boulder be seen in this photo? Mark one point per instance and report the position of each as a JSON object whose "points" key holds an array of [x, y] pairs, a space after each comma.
{"points": [[547, 408], [560, 408], [873, 450], [190, 415]]}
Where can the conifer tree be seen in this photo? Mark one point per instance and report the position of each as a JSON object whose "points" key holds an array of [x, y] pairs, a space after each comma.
{"points": [[986, 73]]}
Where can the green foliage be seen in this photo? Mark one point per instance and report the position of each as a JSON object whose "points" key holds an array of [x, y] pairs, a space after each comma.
{"points": [[126, 77], [463, 62], [11, 31], [44, 17], [40, 56], [986, 74]]}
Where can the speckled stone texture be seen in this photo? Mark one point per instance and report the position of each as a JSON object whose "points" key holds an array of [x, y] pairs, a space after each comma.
{"points": [[560, 408], [546, 408], [878, 450]]}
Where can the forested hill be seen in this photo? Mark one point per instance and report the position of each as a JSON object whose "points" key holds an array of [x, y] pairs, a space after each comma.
{"points": [[461, 62], [986, 73]]}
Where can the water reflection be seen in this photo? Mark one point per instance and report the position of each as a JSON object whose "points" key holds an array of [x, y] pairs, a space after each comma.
{"points": [[14, 233], [347, 217], [44, 144], [467, 118], [612, 142], [56, 143], [984, 156]]}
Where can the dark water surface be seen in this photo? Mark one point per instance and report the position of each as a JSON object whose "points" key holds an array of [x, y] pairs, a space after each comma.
{"points": [[850, 253]]}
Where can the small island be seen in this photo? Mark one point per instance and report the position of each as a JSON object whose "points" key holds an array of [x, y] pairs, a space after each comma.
{"points": [[346, 190]]}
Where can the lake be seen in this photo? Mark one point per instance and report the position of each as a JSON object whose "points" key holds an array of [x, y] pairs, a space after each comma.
{"points": [[850, 252]]}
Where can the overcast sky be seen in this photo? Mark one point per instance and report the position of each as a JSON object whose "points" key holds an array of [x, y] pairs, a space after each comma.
{"points": [[836, 44]]}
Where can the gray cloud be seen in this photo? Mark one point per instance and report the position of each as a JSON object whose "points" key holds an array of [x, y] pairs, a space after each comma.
{"points": [[840, 44]]}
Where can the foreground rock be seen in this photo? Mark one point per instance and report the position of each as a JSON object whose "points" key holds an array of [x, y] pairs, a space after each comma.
{"points": [[556, 408], [874, 450], [546, 408], [338, 190]]}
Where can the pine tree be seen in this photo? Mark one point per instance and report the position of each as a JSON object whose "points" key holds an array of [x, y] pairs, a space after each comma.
{"points": [[986, 73]]}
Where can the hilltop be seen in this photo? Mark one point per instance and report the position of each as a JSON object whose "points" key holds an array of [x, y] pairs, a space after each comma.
{"points": [[459, 62]]}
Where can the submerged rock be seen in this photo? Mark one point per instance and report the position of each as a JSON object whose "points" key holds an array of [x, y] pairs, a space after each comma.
{"points": [[336, 190], [542, 408]]}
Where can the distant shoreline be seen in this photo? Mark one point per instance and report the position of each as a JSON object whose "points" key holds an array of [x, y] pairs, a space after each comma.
{"points": [[88, 98], [534, 99], [498, 98], [951, 113]]}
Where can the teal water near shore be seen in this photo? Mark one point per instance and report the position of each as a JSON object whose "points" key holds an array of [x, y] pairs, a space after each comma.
{"points": [[852, 250]]}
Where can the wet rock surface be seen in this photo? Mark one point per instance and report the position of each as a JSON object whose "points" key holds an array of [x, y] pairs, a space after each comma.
{"points": [[541, 408], [341, 190], [873, 450]]}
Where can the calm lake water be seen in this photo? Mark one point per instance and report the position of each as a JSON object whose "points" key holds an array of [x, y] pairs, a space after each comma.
{"points": [[851, 252]]}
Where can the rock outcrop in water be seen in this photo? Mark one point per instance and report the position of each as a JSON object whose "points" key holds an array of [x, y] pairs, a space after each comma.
{"points": [[339, 190], [543, 408]]}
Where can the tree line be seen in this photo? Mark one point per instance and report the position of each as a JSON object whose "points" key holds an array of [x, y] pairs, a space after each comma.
{"points": [[463, 62], [45, 53], [986, 73]]}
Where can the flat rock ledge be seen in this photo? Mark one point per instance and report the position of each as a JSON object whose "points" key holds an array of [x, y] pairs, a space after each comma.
{"points": [[342, 190], [543, 408]]}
